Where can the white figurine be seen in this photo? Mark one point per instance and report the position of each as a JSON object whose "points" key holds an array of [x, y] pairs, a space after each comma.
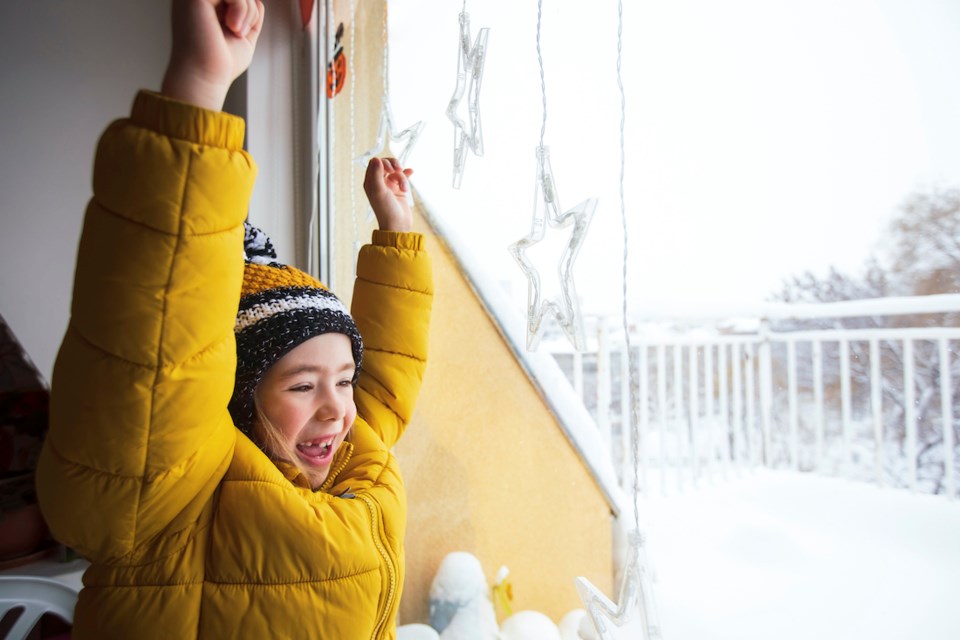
{"points": [[460, 605]]}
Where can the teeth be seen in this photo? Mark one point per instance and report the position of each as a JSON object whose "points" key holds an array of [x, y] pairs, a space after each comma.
{"points": [[324, 445]]}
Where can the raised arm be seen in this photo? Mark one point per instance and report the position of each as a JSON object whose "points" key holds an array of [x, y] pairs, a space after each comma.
{"points": [[392, 302], [213, 43], [139, 430]]}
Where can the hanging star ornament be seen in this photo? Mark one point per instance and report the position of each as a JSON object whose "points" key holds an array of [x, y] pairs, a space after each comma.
{"points": [[634, 613], [547, 213], [388, 139], [471, 56]]}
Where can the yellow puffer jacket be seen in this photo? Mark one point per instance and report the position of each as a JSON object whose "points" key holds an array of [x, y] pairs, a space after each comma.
{"points": [[191, 530]]}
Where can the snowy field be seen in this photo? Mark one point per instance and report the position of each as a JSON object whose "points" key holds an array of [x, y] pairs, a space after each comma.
{"points": [[774, 555]]}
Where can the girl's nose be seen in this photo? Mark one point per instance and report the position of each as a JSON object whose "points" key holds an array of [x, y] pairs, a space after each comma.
{"points": [[329, 406]]}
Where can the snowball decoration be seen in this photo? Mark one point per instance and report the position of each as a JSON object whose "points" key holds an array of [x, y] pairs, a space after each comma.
{"points": [[576, 625], [547, 213], [529, 625], [470, 59], [460, 606], [416, 632], [586, 630]]}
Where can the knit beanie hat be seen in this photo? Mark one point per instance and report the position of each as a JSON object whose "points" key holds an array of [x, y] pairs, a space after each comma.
{"points": [[280, 308]]}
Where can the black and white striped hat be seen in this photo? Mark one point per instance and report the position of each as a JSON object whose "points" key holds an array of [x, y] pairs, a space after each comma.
{"points": [[280, 308]]}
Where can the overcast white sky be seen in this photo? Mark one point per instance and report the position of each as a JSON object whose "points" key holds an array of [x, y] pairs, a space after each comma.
{"points": [[764, 137]]}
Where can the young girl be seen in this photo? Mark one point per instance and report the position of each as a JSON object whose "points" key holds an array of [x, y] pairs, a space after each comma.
{"points": [[228, 473]]}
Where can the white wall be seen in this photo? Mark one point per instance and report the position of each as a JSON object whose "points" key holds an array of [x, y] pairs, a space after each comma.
{"points": [[66, 70], [270, 128]]}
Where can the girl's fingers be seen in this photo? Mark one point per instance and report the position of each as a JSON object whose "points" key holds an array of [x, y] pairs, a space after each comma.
{"points": [[255, 16], [373, 167], [394, 165], [243, 16], [389, 170], [396, 181], [235, 18]]}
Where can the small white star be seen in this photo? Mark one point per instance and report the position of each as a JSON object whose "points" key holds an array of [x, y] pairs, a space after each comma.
{"points": [[547, 212], [387, 135], [634, 611], [470, 62]]}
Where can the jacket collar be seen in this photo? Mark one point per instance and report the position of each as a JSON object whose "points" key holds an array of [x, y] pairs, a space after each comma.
{"points": [[340, 459]]}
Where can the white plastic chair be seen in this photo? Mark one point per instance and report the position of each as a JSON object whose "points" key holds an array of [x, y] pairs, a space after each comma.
{"points": [[36, 596]]}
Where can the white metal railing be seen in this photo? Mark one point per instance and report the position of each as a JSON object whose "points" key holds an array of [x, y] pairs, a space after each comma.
{"points": [[859, 403]]}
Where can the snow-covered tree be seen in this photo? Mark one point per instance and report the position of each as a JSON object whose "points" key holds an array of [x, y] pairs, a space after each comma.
{"points": [[923, 258], [925, 242]]}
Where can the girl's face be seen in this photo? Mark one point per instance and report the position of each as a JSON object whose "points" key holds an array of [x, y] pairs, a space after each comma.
{"points": [[307, 396]]}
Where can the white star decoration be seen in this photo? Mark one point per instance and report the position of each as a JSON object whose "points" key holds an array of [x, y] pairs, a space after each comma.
{"points": [[470, 60], [547, 213], [632, 613], [387, 135]]}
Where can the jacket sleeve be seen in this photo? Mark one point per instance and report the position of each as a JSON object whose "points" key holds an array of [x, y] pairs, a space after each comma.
{"points": [[139, 430], [392, 302]]}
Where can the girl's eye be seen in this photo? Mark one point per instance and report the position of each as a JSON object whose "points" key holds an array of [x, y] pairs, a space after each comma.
{"points": [[345, 383], [301, 388]]}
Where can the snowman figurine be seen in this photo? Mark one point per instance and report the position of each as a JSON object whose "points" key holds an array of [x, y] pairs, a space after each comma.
{"points": [[460, 605]]}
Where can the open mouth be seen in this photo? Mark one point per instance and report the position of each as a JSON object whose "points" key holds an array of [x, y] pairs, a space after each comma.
{"points": [[317, 452]]}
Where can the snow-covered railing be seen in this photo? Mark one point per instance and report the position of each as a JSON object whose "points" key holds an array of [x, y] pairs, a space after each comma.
{"points": [[716, 394]]}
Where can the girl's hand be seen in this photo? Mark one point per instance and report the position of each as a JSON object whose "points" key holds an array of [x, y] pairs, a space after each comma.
{"points": [[387, 187], [213, 43]]}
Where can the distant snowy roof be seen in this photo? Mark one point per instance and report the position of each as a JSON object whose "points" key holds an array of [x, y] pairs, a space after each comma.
{"points": [[939, 303], [574, 419]]}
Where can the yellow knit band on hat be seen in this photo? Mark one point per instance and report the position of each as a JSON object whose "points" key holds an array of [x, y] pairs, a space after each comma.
{"points": [[258, 277]]}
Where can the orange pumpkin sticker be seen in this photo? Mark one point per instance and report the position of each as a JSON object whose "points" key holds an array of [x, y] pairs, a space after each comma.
{"points": [[337, 68]]}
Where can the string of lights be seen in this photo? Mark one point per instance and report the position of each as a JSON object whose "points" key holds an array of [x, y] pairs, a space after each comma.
{"points": [[353, 134], [549, 215], [401, 143], [636, 595], [471, 59]]}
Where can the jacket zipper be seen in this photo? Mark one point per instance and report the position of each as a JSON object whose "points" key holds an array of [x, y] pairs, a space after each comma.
{"points": [[375, 527], [345, 452]]}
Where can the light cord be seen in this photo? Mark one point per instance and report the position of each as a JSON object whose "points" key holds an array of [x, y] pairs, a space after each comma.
{"points": [[298, 188], [386, 55], [634, 430], [648, 612], [543, 83], [330, 125], [353, 133]]}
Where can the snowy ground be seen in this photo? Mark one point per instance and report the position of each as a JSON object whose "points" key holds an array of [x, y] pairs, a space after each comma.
{"points": [[780, 555]]}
